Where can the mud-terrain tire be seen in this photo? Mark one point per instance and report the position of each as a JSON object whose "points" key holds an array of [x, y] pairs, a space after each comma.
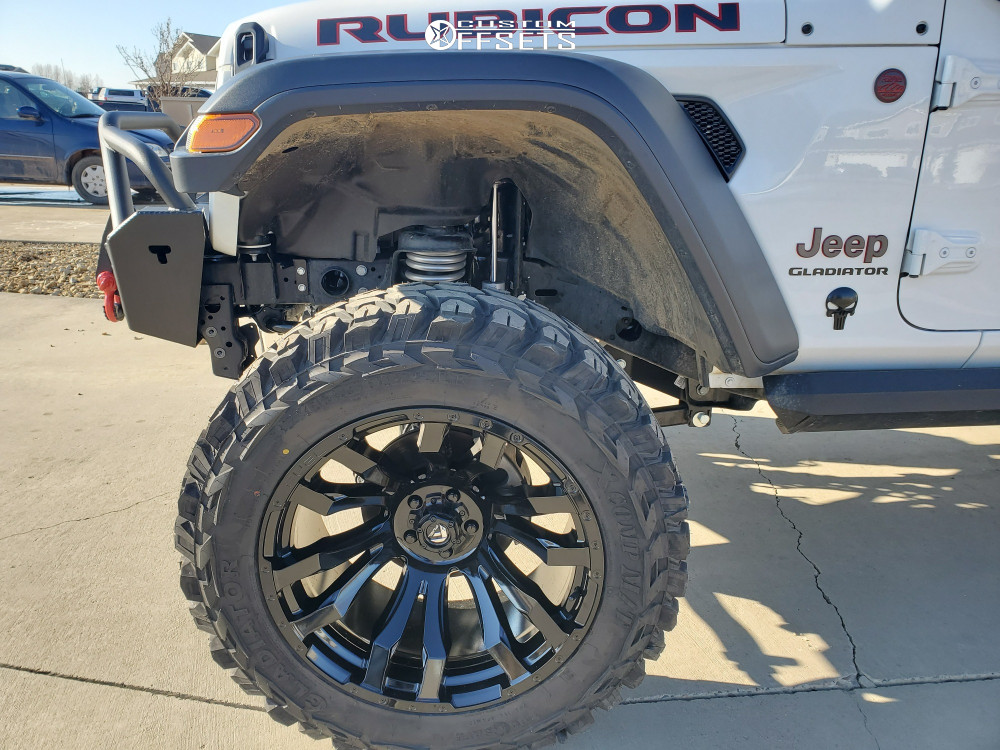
{"points": [[500, 383]]}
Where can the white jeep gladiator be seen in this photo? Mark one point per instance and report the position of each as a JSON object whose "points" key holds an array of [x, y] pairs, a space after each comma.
{"points": [[437, 512]]}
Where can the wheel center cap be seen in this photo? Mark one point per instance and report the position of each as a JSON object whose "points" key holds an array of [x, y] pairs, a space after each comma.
{"points": [[436, 533], [438, 523]]}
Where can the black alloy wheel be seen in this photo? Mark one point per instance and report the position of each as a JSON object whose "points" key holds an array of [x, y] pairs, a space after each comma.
{"points": [[469, 567]]}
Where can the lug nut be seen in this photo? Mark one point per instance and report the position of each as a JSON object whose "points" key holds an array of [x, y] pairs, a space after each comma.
{"points": [[415, 501], [453, 495], [410, 536], [471, 526]]}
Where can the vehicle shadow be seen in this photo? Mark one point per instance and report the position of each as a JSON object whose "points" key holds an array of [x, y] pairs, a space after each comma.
{"points": [[894, 574], [898, 549]]}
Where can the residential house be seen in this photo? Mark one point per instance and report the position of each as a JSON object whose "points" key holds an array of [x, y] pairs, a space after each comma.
{"points": [[197, 54]]}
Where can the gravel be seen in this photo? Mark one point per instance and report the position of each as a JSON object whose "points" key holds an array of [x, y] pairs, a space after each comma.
{"points": [[64, 269]]}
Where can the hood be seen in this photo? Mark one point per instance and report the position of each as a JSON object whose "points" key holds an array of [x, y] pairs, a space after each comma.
{"points": [[324, 27], [155, 136], [149, 136]]}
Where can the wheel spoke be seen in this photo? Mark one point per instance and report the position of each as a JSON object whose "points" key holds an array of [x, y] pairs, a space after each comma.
{"points": [[495, 636], [552, 549], [497, 562], [493, 449], [361, 463], [335, 605], [528, 605], [534, 502], [327, 498], [516, 457], [391, 633], [435, 652], [329, 552], [297, 571], [431, 437], [353, 460]]}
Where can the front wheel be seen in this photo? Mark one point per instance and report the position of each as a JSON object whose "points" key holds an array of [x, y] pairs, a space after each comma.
{"points": [[433, 517], [89, 180]]}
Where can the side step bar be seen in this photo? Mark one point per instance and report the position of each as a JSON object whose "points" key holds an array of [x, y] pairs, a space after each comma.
{"points": [[884, 399]]}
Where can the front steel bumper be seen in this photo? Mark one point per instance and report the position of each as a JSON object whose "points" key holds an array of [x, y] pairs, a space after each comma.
{"points": [[156, 254]]}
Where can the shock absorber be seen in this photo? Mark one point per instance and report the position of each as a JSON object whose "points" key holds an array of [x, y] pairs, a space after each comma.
{"points": [[435, 254]]}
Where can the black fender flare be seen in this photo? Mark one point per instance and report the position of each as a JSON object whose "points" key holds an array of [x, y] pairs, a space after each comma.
{"points": [[626, 107]]}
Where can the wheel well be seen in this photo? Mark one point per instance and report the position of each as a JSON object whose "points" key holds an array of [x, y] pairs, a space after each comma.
{"points": [[336, 187], [74, 159], [645, 134]]}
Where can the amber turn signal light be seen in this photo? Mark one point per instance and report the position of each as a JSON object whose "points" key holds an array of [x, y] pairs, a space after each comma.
{"points": [[217, 133]]}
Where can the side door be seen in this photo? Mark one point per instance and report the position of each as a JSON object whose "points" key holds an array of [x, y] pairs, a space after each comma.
{"points": [[951, 268], [27, 153]]}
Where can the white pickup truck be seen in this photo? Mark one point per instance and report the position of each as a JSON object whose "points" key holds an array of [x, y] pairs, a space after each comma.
{"points": [[437, 512]]}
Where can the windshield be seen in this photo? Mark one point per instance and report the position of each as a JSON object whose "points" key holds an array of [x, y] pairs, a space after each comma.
{"points": [[61, 99]]}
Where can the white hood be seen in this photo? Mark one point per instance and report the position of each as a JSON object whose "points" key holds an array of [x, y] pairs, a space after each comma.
{"points": [[324, 27]]}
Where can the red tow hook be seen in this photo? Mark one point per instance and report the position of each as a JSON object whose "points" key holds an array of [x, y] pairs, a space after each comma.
{"points": [[113, 310]]}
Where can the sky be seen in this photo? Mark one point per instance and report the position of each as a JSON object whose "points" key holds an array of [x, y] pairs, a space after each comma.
{"points": [[82, 36]]}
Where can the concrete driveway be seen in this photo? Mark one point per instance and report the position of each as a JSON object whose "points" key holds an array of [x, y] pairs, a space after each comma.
{"points": [[844, 590]]}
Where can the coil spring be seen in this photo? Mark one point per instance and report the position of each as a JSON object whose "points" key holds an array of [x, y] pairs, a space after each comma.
{"points": [[435, 254], [435, 265]]}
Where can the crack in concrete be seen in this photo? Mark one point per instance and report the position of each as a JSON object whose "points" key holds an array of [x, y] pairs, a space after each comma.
{"points": [[829, 687], [136, 688], [719, 695], [860, 677], [85, 518], [864, 716]]}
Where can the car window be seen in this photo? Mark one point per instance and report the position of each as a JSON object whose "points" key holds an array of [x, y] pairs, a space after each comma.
{"points": [[66, 102], [123, 92], [10, 99]]}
